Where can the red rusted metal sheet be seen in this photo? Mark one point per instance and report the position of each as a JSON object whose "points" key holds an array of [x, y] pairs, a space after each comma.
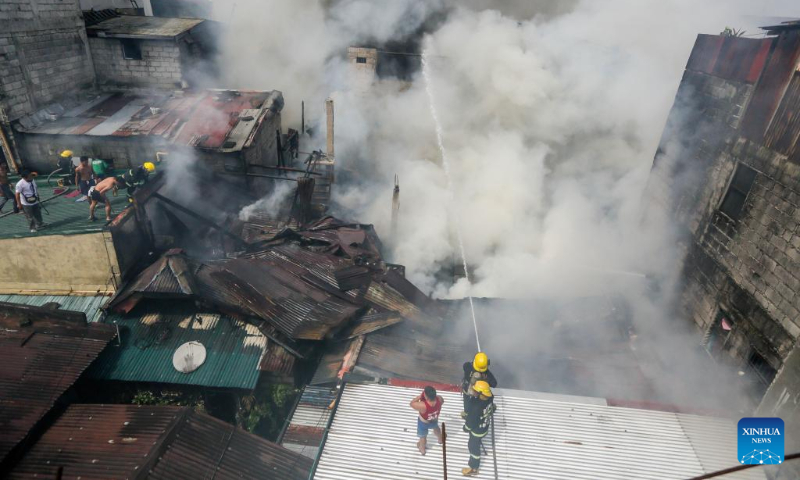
{"points": [[86, 126], [705, 52], [739, 58], [214, 117], [444, 387], [94, 442], [760, 60], [38, 363], [783, 135], [732, 58], [772, 85]]}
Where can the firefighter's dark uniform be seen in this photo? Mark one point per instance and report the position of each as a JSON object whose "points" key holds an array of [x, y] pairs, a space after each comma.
{"points": [[479, 415], [132, 179], [470, 377]]}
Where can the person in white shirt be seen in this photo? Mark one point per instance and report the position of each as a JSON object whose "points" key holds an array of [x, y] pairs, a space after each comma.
{"points": [[28, 196]]}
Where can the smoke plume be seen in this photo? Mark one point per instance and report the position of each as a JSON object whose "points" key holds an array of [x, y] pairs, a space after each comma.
{"points": [[551, 115]]}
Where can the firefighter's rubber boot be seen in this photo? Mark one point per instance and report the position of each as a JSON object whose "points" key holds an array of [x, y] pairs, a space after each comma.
{"points": [[469, 472]]}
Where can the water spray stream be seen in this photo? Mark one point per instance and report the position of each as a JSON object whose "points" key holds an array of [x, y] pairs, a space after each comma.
{"points": [[446, 164]]}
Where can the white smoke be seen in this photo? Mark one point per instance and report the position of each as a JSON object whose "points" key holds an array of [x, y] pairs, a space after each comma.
{"points": [[271, 203], [551, 116]]}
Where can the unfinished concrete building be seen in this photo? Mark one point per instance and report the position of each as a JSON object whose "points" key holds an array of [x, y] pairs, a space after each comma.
{"points": [[728, 172], [138, 51]]}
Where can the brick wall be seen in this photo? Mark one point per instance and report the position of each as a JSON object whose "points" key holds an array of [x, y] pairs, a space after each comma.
{"points": [[747, 268], [43, 53], [160, 66]]}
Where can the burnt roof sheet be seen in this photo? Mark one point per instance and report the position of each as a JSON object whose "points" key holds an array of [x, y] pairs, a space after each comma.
{"points": [[131, 26], [127, 441], [401, 352], [38, 363]]}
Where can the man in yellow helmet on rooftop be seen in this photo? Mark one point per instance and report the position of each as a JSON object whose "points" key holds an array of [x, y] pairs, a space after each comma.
{"points": [[475, 371], [479, 415]]}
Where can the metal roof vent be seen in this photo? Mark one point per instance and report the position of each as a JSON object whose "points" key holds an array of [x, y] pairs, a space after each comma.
{"points": [[189, 357]]}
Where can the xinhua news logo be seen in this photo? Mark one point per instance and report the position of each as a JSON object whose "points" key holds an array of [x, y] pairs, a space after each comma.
{"points": [[761, 441]]}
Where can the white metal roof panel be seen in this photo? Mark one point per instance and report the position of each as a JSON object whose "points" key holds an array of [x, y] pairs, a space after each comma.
{"points": [[373, 436]]}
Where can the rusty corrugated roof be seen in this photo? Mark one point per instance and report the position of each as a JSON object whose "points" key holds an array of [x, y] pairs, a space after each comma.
{"points": [[309, 420], [291, 289], [42, 353], [128, 441], [220, 120]]}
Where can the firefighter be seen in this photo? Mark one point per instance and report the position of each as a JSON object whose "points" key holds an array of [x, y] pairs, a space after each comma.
{"points": [[135, 177], [66, 166], [479, 415], [478, 369]]}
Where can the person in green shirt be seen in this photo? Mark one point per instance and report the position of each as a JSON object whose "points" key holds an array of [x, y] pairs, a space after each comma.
{"points": [[100, 168]]}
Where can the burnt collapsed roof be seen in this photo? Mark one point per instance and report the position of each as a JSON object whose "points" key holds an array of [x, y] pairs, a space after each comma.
{"points": [[43, 351], [128, 441], [307, 284]]}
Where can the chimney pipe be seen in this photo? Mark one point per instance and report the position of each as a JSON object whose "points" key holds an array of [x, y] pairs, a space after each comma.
{"points": [[329, 111]]}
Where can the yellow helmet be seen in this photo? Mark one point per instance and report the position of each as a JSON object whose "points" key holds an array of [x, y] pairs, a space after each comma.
{"points": [[481, 362], [149, 166], [482, 388], [66, 154]]}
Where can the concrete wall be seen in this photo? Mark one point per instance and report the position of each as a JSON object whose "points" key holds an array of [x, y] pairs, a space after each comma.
{"points": [[160, 66], [39, 151], [362, 74], [43, 53], [59, 264]]}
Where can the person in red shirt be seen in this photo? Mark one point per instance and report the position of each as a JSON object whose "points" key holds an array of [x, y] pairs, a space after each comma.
{"points": [[428, 405]]}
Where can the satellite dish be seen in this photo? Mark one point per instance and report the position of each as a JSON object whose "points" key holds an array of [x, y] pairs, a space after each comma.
{"points": [[189, 357]]}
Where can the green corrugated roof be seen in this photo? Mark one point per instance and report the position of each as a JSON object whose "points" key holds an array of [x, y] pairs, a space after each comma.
{"points": [[149, 340], [66, 216], [89, 305]]}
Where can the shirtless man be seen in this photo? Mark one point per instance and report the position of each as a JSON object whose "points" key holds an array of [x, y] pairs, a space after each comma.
{"points": [[99, 193], [83, 176]]}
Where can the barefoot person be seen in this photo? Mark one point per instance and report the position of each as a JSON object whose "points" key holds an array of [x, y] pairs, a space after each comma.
{"points": [[428, 404], [99, 193]]}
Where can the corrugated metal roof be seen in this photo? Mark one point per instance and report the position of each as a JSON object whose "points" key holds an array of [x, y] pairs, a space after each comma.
{"points": [[131, 26], [233, 349], [273, 286], [777, 74], [204, 119], [309, 420], [64, 216], [542, 437], [38, 363], [90, 305], [127, 441]]}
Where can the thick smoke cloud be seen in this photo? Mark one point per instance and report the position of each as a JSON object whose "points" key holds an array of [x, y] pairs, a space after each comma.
{"points": [[551, 113]]}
